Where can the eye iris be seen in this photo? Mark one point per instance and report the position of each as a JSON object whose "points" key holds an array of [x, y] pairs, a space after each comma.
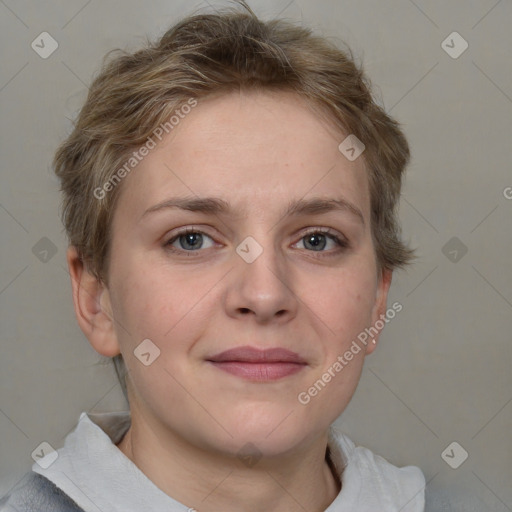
{"points": [[310, 240], [190, 238]]}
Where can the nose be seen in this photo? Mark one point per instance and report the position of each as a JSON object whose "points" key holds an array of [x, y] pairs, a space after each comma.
{"points": [[261, 284]]}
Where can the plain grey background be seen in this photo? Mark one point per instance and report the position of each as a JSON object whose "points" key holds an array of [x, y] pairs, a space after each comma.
{"points": [[442, 372]]}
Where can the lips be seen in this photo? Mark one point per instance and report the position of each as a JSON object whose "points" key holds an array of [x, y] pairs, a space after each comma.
{"points": [[258, 365], [253, 355]]}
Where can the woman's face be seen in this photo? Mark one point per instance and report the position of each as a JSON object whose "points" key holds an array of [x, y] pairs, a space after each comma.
{"points": [[255, 270]]}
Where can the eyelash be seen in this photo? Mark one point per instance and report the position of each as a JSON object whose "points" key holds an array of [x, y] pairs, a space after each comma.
{"points": [[340, 242]]}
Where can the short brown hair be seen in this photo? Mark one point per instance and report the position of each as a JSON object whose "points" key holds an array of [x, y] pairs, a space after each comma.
{"points": [[206, 54]]}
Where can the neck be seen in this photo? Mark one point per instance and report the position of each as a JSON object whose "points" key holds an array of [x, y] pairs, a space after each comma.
{"points": [[210, 482]]}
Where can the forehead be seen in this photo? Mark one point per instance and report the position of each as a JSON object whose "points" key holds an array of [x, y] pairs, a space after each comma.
{"points": [[256, 149]]}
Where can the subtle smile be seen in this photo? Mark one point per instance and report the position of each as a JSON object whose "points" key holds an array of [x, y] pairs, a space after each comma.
{"points": [[258, 365]]}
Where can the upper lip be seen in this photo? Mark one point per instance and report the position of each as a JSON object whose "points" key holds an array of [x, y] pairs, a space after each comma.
{"points": [[254, 355]]}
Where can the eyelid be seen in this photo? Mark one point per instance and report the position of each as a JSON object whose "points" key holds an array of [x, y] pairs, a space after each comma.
{"points": [[183, 231], [325, 231]]}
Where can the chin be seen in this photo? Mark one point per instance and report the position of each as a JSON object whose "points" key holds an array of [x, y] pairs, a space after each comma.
{"points": [[245, 443], [271, 435]]}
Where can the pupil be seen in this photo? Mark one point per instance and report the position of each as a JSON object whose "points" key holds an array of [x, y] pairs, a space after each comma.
{"points": [[191, 238], [318, 243]]}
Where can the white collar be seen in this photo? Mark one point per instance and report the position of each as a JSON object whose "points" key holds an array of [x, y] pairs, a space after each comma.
{"points": [[99, 477]]}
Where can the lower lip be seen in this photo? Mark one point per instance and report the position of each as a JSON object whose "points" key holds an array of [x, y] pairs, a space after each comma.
{"points": [[259, 371]]}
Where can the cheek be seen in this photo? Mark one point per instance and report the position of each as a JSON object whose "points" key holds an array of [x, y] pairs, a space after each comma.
{"points": [[165, 312], [344, 300], [344, 306], [150, 307], [162, 304]]}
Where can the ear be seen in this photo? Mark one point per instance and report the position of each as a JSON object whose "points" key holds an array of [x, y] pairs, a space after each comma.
{"points": [[93, 309], [380, 306]]}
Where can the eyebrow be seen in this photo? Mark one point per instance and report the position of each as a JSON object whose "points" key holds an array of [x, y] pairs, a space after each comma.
{"points": [[217, 205]]}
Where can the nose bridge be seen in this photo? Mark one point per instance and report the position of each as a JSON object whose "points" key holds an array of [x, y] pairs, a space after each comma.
{"points": [[261, 263], [262, 277]]}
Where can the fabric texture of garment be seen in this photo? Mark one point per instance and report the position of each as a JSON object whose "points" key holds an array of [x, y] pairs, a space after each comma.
{"points": [[91, 474]]}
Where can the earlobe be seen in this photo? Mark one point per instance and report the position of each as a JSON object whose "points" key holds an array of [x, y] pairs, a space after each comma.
{"points": [[379, 308], [93, 309]]}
